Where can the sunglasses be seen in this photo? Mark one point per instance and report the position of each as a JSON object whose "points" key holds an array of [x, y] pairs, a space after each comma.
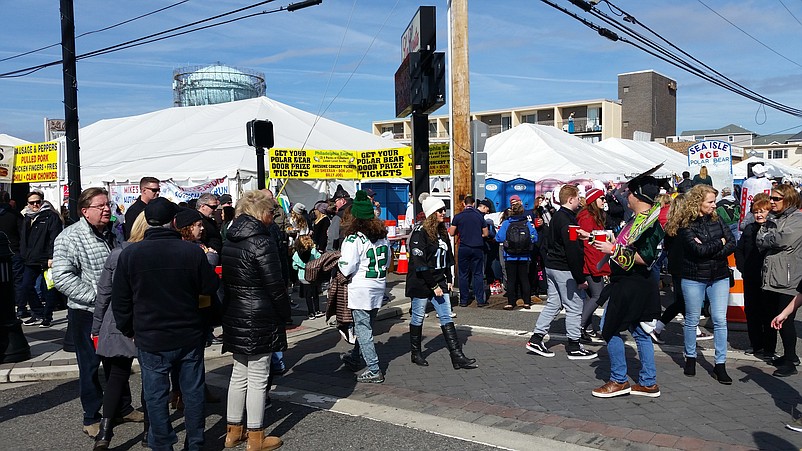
{"points": [[442, 210], [776, 198], [34, 202], [213, 207], [155, 190]]}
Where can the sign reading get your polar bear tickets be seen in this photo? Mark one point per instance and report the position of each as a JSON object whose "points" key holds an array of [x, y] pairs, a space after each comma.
{"points": [[716, 156], [36, 162]]}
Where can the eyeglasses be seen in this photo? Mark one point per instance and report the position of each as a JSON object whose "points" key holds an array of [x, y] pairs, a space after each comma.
{"points": [[34, 202], [101, 207], [776, 198], [155, 190]]}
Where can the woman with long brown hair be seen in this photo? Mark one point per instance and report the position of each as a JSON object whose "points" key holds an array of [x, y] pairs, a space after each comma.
{"points": [[592, 219], [430, 280], [706, 242]]}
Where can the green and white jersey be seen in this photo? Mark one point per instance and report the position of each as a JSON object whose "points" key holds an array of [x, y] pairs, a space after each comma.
{"points": [[367, 263]]}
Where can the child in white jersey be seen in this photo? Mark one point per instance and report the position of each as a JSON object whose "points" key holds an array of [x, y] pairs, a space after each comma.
{"points": [[365, 258]]}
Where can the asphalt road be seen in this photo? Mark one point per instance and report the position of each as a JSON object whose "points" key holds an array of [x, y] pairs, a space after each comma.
{"points": [[46, 416]]}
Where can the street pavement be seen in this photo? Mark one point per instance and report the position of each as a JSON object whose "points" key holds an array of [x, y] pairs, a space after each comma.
{"points": [[514, 400]]}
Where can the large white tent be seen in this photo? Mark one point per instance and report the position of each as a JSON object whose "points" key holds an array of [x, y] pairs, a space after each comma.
{"points": [[201, 143], [774, 169], [8, 140], [536, 152], [650, 152]]}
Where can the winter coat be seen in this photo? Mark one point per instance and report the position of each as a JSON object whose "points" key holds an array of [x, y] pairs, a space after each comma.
{"points": [[37, 236], [299, 264], [11, 225], [211, 234], [564, 254], [156, 289], [111, 342], [781, 237], [78, 259], [592, 255], [430, 263], [131, 214], [748, 258], [501, 236], [706, 262], [256, 306]]}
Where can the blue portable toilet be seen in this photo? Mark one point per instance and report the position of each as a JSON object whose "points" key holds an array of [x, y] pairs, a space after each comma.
{"points": [[392, 197], [525, 189], [495, 190]]}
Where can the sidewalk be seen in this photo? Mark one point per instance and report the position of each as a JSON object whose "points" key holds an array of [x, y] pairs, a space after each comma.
{"points": [[513, 391]]}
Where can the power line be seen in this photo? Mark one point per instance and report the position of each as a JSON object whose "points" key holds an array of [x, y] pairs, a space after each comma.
{"points": [[95, 31], [149, 38], [754, 38], [789, 12]]}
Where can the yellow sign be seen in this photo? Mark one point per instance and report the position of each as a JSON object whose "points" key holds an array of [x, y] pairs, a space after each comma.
{"points": [[439, 159], [340, 164], [36, 163]]}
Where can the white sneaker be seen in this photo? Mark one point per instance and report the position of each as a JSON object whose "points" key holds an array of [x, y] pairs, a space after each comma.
{"points": [[648, 327], [453, 315]]}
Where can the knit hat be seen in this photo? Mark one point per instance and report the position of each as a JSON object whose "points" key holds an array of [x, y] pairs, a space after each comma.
{"points": [[160, 211], [186, 217], [340, 193], [592, 195], [759, 170], [645, 188], [322, 206], [515, 198], [298, 208], [430, 204], [486, 203], [362, 208]]}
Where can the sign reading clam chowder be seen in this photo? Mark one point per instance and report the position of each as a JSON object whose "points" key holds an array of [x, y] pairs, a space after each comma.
{"points": [[340, 164], [716, 157], [35, 163]]}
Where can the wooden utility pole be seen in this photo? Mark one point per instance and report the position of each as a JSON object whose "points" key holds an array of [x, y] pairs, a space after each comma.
{"points": [[462, 156], [70, 105]]}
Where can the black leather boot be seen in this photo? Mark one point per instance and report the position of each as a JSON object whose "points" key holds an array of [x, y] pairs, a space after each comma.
{"points": [[103, 438], [720, 373], [458, 359], [415, 335], [690, 366]]}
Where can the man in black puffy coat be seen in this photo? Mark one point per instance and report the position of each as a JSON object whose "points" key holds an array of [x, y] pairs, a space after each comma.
{"points": [[155, 300]]}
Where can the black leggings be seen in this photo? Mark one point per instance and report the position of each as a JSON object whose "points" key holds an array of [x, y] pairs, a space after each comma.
{"points": [[310, 292], [678, 306], [758, 315], [776, 303], [518, 275], [118, 393]]}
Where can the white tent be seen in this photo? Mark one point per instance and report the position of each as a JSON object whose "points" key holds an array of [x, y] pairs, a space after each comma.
{"points": [[775, 169], [200, 143], [651, 152], [536, 152], [8, 140]]}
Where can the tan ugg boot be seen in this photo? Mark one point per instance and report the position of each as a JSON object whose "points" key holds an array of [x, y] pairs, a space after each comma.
{"points": [[258, 442], [235, 434]]}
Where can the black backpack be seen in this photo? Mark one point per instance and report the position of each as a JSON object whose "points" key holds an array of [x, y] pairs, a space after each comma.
{"points": [[519, 241]]}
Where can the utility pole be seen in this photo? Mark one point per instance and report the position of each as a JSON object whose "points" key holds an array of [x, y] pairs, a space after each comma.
{"points": [[462, 167], [70, 105]]}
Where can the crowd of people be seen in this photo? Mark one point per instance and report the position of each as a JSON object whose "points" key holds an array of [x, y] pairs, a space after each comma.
{"points": [[145, 286]]}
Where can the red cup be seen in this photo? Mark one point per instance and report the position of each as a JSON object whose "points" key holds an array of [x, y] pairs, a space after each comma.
{"points": [[599, 235], [572, 229], [94, 341], [538, 222]]}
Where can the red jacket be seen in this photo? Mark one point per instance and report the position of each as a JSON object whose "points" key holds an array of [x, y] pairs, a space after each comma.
{"points": [[592, 255]]}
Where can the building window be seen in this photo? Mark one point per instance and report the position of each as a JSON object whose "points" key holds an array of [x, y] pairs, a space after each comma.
{"points": [[730, 138], [626, 124], [387, 128], [506, 123], [776, 154], [626, 88], [529, 119]]}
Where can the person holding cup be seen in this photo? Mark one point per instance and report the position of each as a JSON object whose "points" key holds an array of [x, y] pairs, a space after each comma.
{"points": [[565, 277], [592, 219]]}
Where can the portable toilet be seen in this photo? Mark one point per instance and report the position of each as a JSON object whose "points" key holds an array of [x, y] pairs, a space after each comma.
{"points": [[495, 191], [525, 189], [392, 197]]}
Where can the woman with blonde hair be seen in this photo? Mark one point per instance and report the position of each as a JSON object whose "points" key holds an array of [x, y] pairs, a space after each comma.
{"points": [[703, 178], [255, 312], [706, 243], [781, 238]]}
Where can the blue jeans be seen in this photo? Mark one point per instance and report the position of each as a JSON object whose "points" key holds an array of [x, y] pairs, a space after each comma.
{"points": [[363, 329], [618, 359], [471, 267], [442, 305], [719, 294], [91, 393], [156, 367]]}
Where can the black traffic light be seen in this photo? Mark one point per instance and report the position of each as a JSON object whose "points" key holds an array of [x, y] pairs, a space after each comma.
{"points": [[260, 133]]}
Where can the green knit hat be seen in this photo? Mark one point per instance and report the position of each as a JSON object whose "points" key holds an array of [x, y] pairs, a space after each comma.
{"points": [[362, 208]]}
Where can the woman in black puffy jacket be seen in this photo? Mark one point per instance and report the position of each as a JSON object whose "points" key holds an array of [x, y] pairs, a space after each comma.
{"points": [[254, 315], [706, 243]]}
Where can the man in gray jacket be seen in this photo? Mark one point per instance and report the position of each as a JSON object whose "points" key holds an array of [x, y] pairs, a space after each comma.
{"points": [[79, 254]]}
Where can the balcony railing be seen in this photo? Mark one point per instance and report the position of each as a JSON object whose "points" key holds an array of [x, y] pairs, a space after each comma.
{"points": [[581, 125]]}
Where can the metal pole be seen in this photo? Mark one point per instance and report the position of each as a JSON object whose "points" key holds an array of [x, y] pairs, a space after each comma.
{"points": [[420, 156], [260, 167], [70, 105]]}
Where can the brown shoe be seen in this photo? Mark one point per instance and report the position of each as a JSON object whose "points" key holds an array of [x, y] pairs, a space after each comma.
{"points": [[235, 434], [651, 391], [92, 430], [612, 389], [257, 441], [135, 416]]}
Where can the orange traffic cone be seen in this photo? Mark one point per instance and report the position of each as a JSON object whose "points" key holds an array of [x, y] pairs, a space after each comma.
{"points": [[403, 262]]}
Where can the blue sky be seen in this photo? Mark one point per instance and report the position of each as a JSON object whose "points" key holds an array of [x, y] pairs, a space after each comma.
{"points": [[522, 52]]}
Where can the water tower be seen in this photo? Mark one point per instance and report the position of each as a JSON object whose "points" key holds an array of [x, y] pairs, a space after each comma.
{"points": [[208, 85]]}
